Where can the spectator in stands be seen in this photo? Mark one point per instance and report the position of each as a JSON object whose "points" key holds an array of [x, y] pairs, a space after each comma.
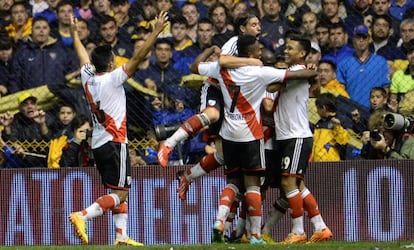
{"points": [[363, 70], [78, 152], [5, 16], [61, 126], [223, 29], [20, 27], [6, 54], [125, 22], [274, 24], [399, 7], [407, 33], [180, 38], [190, 12], [38, 6], [100, 8], [338, 39], [50, 13], [356, 11], [205, 33], [330, 138], [42, 60], [239, 8], [381, 43], [402, 80], [322, 36], [60, 29], [328, 81], [295, 11], [85, 9], [315, 54], [109, 32], [330, 11], [30, 124], [309, 21], [382, 7], [84, 31]]}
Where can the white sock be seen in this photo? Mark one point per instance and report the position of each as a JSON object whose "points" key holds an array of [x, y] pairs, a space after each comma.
{"points": [[178, 136], [121, 222], [93, 211], [297, 225], [195, 172], [318, 223]]}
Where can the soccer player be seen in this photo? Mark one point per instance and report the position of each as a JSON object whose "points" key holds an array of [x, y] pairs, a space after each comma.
{"points": [[102, 83], [242, 135], [294, 146], [210, 108]]}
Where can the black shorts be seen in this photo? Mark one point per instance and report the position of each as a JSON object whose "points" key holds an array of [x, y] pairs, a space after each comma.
{"points": [[273, 170], [114, 166], [293, 154], [211, 97], [244, 158]]}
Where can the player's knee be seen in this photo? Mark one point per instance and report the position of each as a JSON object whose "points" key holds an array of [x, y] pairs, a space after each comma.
{"points": [[213, 114]]}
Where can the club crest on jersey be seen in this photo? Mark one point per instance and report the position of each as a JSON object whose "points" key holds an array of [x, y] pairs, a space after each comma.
{"points": [[211, 102], [53, 55]]}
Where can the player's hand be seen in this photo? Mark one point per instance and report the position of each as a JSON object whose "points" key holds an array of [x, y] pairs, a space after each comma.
{"points": [[312, 66], [161, 21], [73, 25], [335, 121]]}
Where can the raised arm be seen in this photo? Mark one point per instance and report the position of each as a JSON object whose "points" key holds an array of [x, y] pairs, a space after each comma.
{"points": [[79, 48], [231, 62], [203, 56], [160, 24]]}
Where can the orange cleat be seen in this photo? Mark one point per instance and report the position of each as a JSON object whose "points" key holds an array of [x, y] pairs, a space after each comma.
{"points": [[323, 235], [183, 185], [164, 153], [293, 238]]}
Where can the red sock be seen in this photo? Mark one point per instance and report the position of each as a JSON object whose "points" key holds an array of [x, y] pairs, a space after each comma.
{"points": [[227, 196], [209, 163], [295, 203], [192, 125], [310, 205], [253, 203], [106, 202]]}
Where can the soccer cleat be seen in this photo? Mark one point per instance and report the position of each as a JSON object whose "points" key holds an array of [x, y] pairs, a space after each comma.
{"points": [[244, 239], [218, 232], [183, 185], [268, 239], [128, 242], [80, 226], [293, 238], [256, 241], [323, 235], [164, 153]]}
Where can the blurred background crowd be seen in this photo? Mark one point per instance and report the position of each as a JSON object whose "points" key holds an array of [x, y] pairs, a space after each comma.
{"points": [[364, 50]]}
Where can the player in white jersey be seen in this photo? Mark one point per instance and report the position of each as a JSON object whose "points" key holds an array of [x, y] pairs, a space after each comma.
{"points": [[210, 113], [242, 133], [103, 86], [294, 145]]}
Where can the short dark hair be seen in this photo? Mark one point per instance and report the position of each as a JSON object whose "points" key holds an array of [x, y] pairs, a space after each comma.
{"points": [[164, 41], [180, 20], [328, 101], [78, 121], [385, 17], [106, 19], [333, 65], [243, 44], [101, 56], [303, 42]]}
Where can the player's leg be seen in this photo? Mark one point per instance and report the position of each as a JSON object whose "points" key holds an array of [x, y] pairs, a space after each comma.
{"points": [[207, 164], [210, 107], [321, 231], [251, 155], [294, 165]]}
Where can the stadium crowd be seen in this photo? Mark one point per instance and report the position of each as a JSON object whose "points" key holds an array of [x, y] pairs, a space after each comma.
{"points": [[360, 104]]}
